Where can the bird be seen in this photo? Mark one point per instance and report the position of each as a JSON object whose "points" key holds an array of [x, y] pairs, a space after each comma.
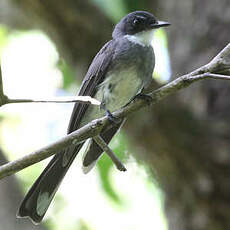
{"points": [[119, 72]]}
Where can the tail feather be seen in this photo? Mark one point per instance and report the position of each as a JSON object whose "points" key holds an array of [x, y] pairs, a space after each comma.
{"points": [[94, 151], [40, 195]]}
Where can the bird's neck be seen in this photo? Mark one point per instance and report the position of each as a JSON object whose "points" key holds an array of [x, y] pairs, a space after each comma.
{"points": [[143, 38]]}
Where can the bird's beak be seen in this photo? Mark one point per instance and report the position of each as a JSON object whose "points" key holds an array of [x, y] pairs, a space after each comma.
{"points": [[160, 24]]}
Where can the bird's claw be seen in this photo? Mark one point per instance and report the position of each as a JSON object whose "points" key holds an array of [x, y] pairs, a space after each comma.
{"points": [[111, 118]]}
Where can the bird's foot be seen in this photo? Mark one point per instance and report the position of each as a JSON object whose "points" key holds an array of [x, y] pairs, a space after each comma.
{"points": [[111, 118]]}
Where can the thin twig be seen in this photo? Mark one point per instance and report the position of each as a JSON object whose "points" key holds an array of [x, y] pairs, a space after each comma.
{"points": [[94, 128], [223, 53], [209, 75], [2, 95], [109, 152], [1, 82], [81, 99]]}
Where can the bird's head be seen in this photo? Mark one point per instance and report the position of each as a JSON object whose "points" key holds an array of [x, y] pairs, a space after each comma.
{"points": [[136, 23]]}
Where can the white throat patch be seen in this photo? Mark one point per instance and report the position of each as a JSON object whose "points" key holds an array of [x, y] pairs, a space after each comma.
{"points": [[143, 38]]}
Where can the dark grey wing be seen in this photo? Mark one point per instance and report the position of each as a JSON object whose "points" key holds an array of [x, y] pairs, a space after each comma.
{"points": [[40, 195], [93, 78]]}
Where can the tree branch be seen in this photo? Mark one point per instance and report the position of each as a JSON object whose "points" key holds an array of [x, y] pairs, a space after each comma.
{"points": [[209, 71], [2, 95], [99, 140], [82, 99]]}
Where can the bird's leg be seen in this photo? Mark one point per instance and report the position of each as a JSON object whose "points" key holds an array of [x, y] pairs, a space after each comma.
{"points": [[109, 115]]}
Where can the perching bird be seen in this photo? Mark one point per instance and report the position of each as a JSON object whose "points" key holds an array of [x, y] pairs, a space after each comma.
{"points": [[120, 71]]}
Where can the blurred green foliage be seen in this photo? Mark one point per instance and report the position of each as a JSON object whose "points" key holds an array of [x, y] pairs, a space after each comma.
{"points": [[117, 9], [132, 5], [113, 9], [162, 71], [82, 225], [67, 73], [105, 165], [4, 32], [161, 35]]}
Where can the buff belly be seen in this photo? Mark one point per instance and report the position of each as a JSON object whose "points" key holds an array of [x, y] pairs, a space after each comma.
{"points": [[115, 92]]}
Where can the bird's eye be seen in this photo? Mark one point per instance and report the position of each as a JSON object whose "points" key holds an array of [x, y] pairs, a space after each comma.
{"points": [[135, 21]]}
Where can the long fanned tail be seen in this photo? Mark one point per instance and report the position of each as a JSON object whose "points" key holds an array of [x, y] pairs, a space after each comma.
{"points": [[40, 195]]}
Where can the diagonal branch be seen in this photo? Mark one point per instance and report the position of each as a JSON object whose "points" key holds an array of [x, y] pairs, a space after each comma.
{"points": [[209, 71], [109, 152]]}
